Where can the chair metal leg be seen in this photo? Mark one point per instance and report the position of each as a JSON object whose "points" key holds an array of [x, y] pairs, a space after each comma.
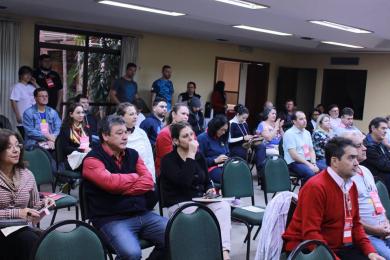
{"points": [[265, 197], [248, 244], [54, 217], [77, 212], [257, 232]]}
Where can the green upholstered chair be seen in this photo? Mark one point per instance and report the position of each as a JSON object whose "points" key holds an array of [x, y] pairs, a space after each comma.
{"points": [[384, 197], [193, 236], [320, 252], [83, 242], [276, 177], [39, 164], [237, 182]]}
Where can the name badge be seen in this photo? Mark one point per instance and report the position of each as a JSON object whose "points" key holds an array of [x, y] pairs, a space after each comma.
{"points": [[347, 238], [44, 128], [377, 203], [84, 142], [306, 151], [49, 82]]}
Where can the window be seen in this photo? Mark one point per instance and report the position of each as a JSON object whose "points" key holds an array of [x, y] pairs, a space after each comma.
{"points": [[87, 62], [346, 88]]}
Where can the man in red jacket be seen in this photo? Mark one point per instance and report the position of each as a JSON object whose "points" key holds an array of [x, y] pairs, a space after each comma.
{"points": [[328, 207]]}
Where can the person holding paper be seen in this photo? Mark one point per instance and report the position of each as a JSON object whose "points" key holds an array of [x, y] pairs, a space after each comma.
{"points": [[41, 123], [74, 136], [184, 176], [19, 198]]}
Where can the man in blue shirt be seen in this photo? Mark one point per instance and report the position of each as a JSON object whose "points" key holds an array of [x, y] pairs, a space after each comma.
{"points": [[125, 89], [41, 123], [163, 87], [155, 121]]}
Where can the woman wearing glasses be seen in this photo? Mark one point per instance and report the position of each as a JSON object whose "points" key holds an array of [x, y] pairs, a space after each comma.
{"points": [[19, 198]]}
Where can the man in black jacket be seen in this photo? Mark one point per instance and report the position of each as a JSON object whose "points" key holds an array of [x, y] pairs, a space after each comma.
{"points": [[378, 157]]}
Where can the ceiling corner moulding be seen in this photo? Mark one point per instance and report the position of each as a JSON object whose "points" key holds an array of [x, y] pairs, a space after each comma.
{"points": [[244, 4], [140, 8], [340, 26], [256, 29], [343, 44]]}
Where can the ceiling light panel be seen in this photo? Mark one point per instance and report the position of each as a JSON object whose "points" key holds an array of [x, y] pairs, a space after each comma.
{"points": [[340, 27], [140, 8], [257, 29], [343, 44], [244, 4]]}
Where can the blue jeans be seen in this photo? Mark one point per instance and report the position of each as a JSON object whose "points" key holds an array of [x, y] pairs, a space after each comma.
{"points": [[216, 175], [382, 246], [123, 235], [302, 170], [321, 164]]}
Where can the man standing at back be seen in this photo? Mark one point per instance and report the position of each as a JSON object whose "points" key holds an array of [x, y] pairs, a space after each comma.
{"points": [[125, 89], [49, 80], [328, 208], [119, 191], [163, 87]]}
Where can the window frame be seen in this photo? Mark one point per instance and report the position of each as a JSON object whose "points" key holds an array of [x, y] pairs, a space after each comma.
{"points": [[86, 48]]}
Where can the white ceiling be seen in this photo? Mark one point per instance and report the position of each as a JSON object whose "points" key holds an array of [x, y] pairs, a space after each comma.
{"points": [[211, 20]]}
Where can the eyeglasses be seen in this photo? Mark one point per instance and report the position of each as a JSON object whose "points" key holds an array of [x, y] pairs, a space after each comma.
{"points": [[16, 147]]}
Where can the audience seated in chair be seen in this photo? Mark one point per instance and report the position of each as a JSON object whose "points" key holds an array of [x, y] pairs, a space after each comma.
{"points": [[119, 190], [153, 123], [287, 114], [90, 119], [184, 176], [271, 129], [298, 148], [378, 156], [333, 112], [239, 134], [372, 212], [346, 124], [186, 97], [19, 198], [164, 145], [320, 136], [328, 208], [74, 135], [311, 125], [213, 144], [41, 123], [196, 118], [137, 138]]}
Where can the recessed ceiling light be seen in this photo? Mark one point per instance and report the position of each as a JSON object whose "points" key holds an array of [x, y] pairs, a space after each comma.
{"points": [[140, 8], [340, 27], [343, 44], [256, 29], [244, 4]]}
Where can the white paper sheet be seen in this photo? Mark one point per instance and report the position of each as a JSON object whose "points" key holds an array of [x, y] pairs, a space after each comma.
{"points": [[9, 230]]}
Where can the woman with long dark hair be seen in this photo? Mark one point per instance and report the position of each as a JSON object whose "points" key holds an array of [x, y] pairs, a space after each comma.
{"points": [[213, 144], [218, 98], [74, 136]]}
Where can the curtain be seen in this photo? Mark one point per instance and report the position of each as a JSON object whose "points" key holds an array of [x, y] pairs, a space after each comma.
{"points": [[129, 52], [9, 65]]}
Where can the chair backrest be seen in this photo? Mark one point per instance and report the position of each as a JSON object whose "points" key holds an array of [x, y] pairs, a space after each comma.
{"points": [[82, 201], [195, 235], [237, 179], [58, 152], [5, 123], [39, 164], [321, 252], [384, 197], [83, 242], [276, 175]]}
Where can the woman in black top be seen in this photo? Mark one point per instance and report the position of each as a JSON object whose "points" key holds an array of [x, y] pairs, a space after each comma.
{"points": [[74, 136], [184, 175]]}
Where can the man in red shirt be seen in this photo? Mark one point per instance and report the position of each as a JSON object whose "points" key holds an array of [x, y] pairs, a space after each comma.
{"points": [[328, 207], [119, 191]]}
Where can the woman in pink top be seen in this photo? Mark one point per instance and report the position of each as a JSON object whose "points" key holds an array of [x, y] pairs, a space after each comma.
{"points": [[19, 197]]}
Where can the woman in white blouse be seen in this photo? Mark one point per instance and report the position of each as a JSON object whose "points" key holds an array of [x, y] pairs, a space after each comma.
{"points": [[137, 138]]}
